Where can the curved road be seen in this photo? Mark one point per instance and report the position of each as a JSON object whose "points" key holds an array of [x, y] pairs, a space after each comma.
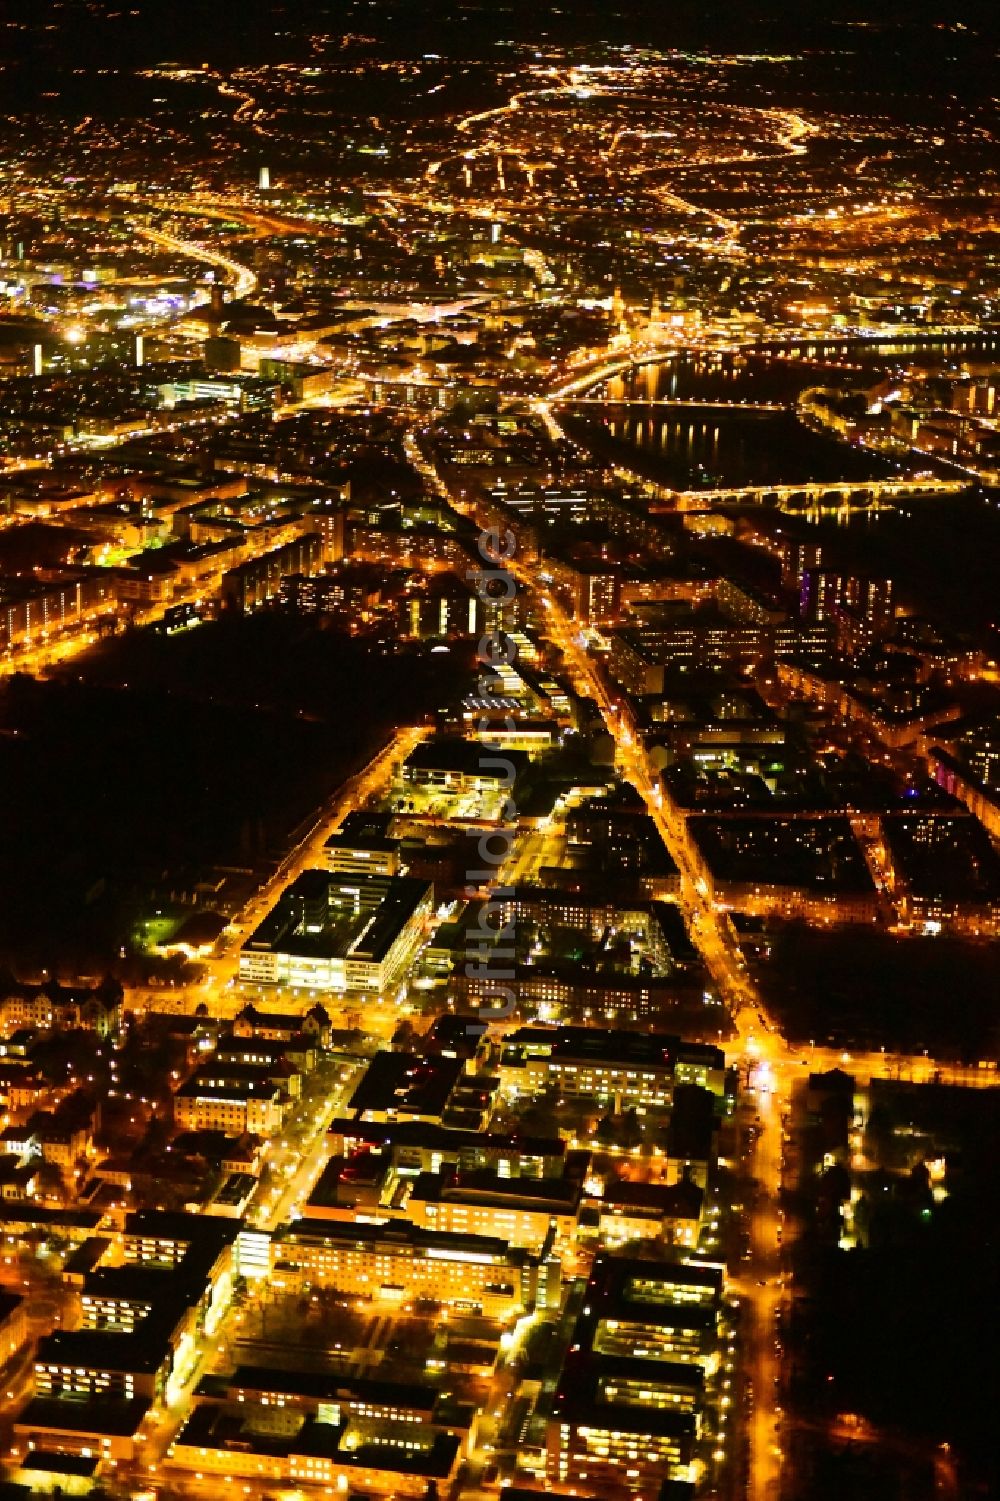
{"points": [[244, 280]]}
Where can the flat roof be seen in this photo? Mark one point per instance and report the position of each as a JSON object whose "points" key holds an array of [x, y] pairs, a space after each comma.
{"points": [[365, 823], [170, 1225], [680, 1200], [85, 1257], [433, 1137], [9, 1303], [364, 929], [598, 1045], [818, 854], [574, 1402], [211, 1426], [327, 1386], [230, 1089], [398, 1233], [52, 1462], [50, 1219], [342, 841], [435, 1461], [139, 1284], [143, 1350], [99, 1415], [546, 1195], [455, 754], [407, 1082]]}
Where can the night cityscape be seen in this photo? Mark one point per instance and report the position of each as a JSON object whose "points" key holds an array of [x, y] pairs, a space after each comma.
{"points": [[499, 750]]}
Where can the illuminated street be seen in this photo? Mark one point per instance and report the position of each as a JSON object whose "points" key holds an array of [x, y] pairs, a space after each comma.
{"points": [[500, 719]]}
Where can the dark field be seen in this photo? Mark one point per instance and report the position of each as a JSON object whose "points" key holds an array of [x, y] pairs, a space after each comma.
{"points": [[162, 758], [869, 988]]}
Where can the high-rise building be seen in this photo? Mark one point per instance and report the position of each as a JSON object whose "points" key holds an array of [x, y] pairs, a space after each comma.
{"points": [[797, 558], [861, 607]]}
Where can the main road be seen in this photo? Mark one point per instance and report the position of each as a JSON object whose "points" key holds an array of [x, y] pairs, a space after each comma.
{"points": [[772, 1063], [244, 280], [759, 1041]]}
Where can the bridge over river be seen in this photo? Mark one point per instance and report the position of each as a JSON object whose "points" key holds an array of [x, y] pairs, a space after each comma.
{"points": [[679, 403], [829, 493]]}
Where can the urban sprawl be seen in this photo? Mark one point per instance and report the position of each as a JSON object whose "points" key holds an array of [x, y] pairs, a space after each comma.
{"points": [[497, 1124]]}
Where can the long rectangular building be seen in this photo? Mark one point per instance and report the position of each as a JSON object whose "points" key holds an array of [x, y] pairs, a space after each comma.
{"points": [[399, 1262], [630, 1406], [638, 1069], [423, 1146], [642, 658], [524, 1212], [242, 1439], [329, 932]]}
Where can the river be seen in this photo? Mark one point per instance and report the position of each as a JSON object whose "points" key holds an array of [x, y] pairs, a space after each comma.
{"points": [[943, 551]]}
